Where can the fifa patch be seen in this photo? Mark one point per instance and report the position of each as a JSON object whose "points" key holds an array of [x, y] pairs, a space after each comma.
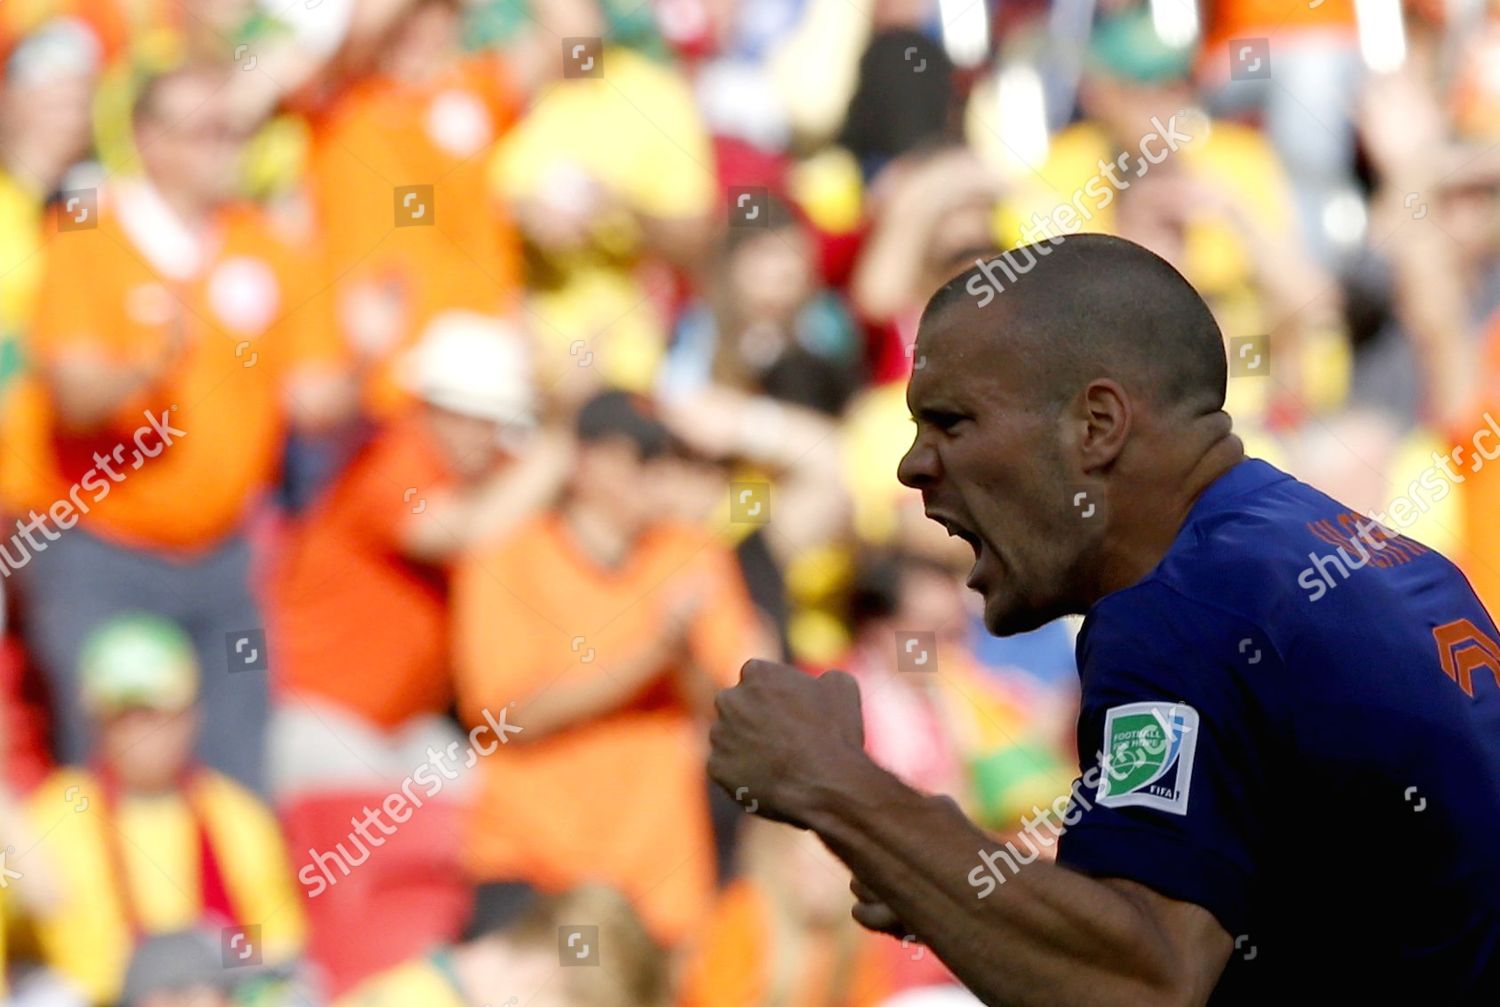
{"points": [[1147, 756]]}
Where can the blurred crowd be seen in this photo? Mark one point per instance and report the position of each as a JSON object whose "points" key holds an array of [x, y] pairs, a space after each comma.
{"points": [[412, 411]]}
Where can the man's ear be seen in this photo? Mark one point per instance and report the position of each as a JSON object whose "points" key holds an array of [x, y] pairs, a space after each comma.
{"points": [[1105, 416]]}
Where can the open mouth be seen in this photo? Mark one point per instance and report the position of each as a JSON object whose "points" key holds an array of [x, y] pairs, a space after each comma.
{"points": [[956, 529]]}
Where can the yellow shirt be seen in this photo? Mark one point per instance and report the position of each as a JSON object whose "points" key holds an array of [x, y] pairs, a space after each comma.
{"points": [[1232, 157], [635, 132], [636, 129], [86, 937], [20, 255]]}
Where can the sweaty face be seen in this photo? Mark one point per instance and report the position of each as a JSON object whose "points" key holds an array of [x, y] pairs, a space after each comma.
{"points": [[988, 458]]}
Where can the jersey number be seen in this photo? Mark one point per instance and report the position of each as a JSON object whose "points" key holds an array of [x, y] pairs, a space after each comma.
{"points": [[1462, 647]]}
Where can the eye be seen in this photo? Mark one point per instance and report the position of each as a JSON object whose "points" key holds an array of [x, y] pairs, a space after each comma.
{"points": [[946, 422]]}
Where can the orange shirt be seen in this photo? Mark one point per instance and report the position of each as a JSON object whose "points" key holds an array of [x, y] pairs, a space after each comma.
{"points": [[233, 308], [356, 622], [733, 965], [1245, 19], [534, 611], [1479, 493], [454, 248]]}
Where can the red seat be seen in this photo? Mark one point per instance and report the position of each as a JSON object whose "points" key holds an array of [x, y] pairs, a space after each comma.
{"points": [[406, 895]]}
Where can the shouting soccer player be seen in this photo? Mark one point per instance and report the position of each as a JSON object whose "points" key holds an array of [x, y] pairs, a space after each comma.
{"points": [[1283, 790]]}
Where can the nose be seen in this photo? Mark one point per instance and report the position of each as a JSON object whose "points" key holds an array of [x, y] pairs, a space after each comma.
{"points": [[920, 466]]}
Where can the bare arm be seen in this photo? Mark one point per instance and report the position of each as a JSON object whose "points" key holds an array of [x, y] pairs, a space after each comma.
{"points": [[889, 275], [800, 447], [1047, 936], [563, 704], [88, 389], [1427, 275], [453, 521]]}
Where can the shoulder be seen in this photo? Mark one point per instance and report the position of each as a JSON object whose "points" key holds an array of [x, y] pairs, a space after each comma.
{"points": [[1231, 574], [521, 545], [62, 789], [683, 542], [232, 800]]}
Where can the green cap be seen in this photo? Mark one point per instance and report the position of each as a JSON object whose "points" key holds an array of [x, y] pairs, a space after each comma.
{"points": [[1127, 46], [138, 660]]}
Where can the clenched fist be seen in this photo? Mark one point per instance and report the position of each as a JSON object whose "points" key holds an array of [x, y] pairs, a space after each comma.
{"points": [[784, 738]]}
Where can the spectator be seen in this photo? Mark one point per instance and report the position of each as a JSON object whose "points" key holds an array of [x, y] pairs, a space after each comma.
{"points": [[44, 131], [795, 450], [1304, 89], [931, 716], [169, 355], [781, 933], [182, 968], [407, 136], [611, 178], [149, 840], [932, 216], [767, 326], [1207, 195], [360, 628], [520, 958], [361, 606], [607, 663], [904, 99]]}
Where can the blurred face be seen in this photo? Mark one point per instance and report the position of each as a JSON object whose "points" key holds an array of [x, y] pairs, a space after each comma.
{"points": [[188, 139], [52, 117], [933, 600], [223, 18], [423, 41], [612, 475], [504, 970], [771, 274], [193, 996], [1125, 108], [148, 749], [470, 444], [988, 458], [688, 489], [965, 233]]}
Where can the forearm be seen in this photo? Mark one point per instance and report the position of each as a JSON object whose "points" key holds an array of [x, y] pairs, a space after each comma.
{"points": [[1428, 293], [887, 272], [87, 393], [454, 521], [681, 241], [563, 704], [1047, 935]]}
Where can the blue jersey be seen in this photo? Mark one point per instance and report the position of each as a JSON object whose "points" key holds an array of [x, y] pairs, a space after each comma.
{"points": [[1294, 722]]}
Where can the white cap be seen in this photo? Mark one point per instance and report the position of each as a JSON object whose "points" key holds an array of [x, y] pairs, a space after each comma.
{"points": [[473, 364], [61, 47]]}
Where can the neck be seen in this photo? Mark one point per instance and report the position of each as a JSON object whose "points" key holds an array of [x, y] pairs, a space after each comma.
{"points": [[194, 213], [595, 531], [151, 788], [1145, 521], [27, 168]]}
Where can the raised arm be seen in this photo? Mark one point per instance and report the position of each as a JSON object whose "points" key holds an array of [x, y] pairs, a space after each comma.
{"points": [[1046, 935]]}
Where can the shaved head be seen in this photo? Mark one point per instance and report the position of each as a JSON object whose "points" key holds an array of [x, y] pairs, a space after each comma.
{"points": [[1090, 306], [1069, 403]]}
